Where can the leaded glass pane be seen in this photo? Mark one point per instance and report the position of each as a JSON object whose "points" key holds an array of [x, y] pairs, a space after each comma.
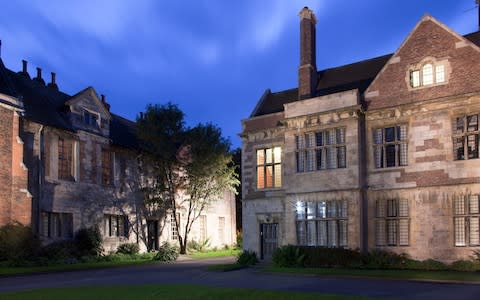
{"points": [[459, 205], [440, 73], [332, 233], [380, 232], [300, 156], [415, 78], [311, 233], [301, 233], [473, 204], [427, 74], [269, 155], [342, 232], [269, 176], [322, 209], [260, 157], [300, 210], [392, 232], [474, 231], [460, 239], [403, 232], [322, 233], [260, 178], [311, 210], [341, 152], [278, 175]]}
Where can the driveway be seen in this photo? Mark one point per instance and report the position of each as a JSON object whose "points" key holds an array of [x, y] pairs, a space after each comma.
{"points": [[195, 272]]}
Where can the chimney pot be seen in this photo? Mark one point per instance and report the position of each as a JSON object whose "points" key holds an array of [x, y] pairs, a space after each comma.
{"points": [[39, 73], [54, 78], [103, 98], [53, 83], [104, 101], [24, 66]]}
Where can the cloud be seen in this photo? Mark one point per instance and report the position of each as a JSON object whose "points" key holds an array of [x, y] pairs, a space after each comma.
{"points": [[268, 21]]}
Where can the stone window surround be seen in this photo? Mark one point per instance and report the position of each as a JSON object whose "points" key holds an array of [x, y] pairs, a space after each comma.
{"points": [[391, 217], [115, 225], [303, 148], [465, 210], [57, 225], [75, 167], [419, 67], [464, 135], [280, 163], [373, 165], [85, 116]]}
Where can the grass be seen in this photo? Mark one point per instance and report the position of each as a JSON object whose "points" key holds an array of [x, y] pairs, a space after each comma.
{"points": [[215, 253], [393, 274], [164, 292], [71, 267], [226, 267]]}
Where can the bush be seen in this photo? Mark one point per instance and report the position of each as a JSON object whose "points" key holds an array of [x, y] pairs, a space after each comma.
{"points": [[17, 243], [128, 248], [465, 265], [380, 259], [198, 245], [89, 241], [166, 252], [247, 258], [288, 256], [239, 238], [60, 250], [321, 257], [429, 265]]}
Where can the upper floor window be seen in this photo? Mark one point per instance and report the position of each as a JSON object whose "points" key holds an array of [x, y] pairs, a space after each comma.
{"points": [[390, 146], [427, 74], [392, 223], [322, 223], [106, 167], [321, 150], [65, 159], [269, 168], [466, 137], [466, 220], [91, 118]]}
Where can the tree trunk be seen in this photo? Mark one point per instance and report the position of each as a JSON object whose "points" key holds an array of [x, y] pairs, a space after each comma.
{"points": [[183, 245]]}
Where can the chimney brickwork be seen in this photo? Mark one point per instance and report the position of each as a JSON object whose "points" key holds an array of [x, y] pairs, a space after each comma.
{"points": [[307, 71]]}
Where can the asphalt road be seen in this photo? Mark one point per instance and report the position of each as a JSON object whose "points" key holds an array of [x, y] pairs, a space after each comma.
{"points": [[195, 272]]}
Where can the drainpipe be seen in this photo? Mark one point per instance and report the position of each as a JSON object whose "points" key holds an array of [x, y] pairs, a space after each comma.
{"points": [[40, 175]]}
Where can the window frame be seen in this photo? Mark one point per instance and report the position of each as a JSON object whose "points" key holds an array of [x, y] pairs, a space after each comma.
{"points": [[107, 167], [89, 115], [385, 145], [438, 75], [388, 212], [57, 225], [275, 166], [325, 147], [323, 218], [66, 159], [116, 225], [463, 137], [466, 216]]}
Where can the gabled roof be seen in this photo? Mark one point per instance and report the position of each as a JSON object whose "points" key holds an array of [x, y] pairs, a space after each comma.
{"points": [[48, 106], [89, 92], [357, 75]]}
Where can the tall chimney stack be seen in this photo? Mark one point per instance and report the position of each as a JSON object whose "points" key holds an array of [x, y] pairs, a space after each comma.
{"points": [[39, 76], [307, 71], [53, 82]]}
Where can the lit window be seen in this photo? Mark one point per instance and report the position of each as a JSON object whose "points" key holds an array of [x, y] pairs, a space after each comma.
{"points": [[322, 223], [440, 73], [269, 168], [392, 223], [466, 220], [427, 74], [390, 146]]}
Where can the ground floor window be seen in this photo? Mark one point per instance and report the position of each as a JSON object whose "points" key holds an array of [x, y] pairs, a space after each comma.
{"points": [[57, 225], [466, 220], [322, 223], [392, 223], [115, 225]]}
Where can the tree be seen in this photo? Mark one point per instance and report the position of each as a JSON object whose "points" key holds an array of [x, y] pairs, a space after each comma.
{"points": [[209, 173], [161, 133], [186, 168]]}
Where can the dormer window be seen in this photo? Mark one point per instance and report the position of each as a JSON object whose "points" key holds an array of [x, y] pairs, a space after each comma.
{"points": [[91, 118], [427, 74]]}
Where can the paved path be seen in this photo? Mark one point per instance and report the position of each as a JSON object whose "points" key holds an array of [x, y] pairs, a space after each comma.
{"points": [[194, 272]]}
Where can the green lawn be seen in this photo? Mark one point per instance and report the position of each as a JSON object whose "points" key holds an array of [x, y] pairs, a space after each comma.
{"points": [[215, 253], [163, 292], [395, 274], [226, 267], [78, 266]]}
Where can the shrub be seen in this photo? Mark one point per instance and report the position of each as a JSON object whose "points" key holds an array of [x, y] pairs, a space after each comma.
{"points": [[380, 259], [476, 256], [321, 257], [17, 243], [198, 245], [128, 248], [60, 250], [166, 252], [465, 265], [247, 258], [288, 256], [89, 241]]}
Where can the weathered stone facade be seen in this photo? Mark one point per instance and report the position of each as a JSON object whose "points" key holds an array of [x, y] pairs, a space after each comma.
{"points": [[69, 163], [410, 179]]}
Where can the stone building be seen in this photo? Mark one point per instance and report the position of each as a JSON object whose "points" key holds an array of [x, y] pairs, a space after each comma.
{"points": [[378, 154], [68, 162]]}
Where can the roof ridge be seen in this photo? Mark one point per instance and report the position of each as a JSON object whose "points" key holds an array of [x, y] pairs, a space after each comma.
{"points": [[357, 62]]}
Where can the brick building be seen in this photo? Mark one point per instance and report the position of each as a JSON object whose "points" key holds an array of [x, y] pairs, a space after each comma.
{"points": [[67, 162], [377, 154]]}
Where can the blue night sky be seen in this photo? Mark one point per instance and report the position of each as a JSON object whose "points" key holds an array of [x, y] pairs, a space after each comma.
{"points": [[213, 58]]}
